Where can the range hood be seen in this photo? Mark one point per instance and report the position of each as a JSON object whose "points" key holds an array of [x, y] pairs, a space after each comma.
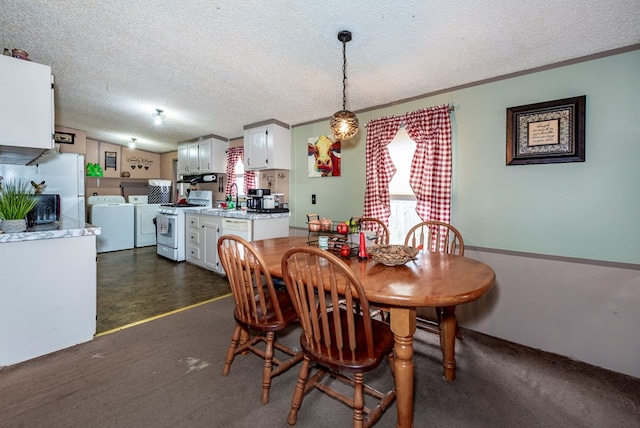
{"points": [[199, 178], [20, 155]]}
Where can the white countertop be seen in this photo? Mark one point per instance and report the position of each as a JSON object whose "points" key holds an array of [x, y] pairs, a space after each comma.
{"points": [[65, 228], [235, 213]]}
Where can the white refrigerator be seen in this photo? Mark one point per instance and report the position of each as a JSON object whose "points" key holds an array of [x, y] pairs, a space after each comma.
{"points": [[63, 174]]}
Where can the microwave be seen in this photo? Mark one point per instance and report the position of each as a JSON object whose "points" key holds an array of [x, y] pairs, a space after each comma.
{"points": [[47, 210]]}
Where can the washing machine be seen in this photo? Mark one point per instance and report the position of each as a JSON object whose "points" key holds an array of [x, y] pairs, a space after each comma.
{"points": [[143, 213], [115, 218]]}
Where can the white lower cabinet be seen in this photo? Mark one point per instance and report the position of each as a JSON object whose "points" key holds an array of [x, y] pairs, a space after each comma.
{"points": [[268, 228], [202, 240], [41, 312]]}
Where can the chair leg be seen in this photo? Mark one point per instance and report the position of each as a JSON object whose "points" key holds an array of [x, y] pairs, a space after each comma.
{"points": [[268, 365], [244, 338], [358, 401], [298, 393], [231, 352]]}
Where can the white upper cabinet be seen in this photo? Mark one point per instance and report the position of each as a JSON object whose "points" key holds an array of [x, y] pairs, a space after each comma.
{"points": [[26, 104], [183, 159], [212, 155], [202, 157], [267, 146]]}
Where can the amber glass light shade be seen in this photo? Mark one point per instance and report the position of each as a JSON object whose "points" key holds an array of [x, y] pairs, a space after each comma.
{"points": [[344, 125]]}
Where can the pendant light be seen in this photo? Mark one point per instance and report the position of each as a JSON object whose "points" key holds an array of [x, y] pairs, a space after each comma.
{"points": [[132, 143], [344, 123]]}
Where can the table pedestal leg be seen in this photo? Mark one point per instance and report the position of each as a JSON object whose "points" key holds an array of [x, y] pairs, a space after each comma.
{"points": [[448, 340], [403, 326]]}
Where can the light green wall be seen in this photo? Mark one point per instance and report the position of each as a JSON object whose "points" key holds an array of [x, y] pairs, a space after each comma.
{"points": [[585, 210]]}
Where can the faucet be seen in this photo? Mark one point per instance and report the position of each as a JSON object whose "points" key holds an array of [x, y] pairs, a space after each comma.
{"points": [[237, 191]]}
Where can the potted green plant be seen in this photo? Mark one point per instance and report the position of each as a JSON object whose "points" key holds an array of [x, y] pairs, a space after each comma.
{"points": [[16, 200]]}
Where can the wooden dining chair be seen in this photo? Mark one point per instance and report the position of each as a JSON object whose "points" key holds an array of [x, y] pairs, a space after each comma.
{"points": [[438, 237], [261, 310], [435, 236], [343, 342], [382, 238], [375, 225]]}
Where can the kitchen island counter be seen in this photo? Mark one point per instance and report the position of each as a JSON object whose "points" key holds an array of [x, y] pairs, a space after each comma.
{"points": [[65, 228], [205, 226], [236, 213]]}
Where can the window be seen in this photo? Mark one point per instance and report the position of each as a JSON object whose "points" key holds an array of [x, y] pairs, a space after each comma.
{"points": [[239, 177], [403, 201]]}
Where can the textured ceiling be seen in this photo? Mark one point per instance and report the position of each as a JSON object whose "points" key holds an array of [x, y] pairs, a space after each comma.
{"points": [[215, 66]]}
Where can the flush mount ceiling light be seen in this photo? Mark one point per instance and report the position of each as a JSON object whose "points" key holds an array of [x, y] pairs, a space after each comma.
{"points": [[132, 143], [158, 117], [344, 123]]}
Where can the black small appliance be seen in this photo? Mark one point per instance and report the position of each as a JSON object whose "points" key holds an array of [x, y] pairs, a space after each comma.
{"points": [[47, 210]]}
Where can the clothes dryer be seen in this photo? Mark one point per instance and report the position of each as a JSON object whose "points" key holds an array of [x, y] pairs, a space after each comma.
{"points": [[115, 218], [144, 227]]}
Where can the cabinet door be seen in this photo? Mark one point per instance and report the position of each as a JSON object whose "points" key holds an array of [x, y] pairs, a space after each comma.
{"points": [[279, 147], [192, 166], [219, 155], [183, 159], [27, 119], [255, 148], [267, 147], [211, 231], [204, 156]]}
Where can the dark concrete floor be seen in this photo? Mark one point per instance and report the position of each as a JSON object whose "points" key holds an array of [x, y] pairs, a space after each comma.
{"points": [[137, 284]]}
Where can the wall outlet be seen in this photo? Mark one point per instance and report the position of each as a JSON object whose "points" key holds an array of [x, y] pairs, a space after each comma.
{"points": [[313, 199]]}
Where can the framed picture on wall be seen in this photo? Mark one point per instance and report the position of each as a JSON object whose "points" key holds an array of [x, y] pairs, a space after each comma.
{"points": [[323, 157], [64, 137], [110, 160], [547, 132]]}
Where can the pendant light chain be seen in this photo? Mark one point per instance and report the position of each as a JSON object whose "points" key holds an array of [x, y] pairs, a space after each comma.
{"points": [[344, 75]]}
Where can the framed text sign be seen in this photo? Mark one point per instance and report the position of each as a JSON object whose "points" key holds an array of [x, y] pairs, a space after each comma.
{"points": [[548, 132]]}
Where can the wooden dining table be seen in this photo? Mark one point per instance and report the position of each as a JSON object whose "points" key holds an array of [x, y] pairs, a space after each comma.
{"points": [[431, 280]]}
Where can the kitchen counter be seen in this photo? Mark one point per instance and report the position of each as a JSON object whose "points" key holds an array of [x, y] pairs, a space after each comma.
{"points": [[235, 213], [65, 228], [48, 289]]}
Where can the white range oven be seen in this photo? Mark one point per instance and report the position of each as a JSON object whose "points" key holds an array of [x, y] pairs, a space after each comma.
{"points": [[170, 224]]}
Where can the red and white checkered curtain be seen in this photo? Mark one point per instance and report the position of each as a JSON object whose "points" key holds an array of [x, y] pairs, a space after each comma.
{"points": [[430, 176], [235, 155], [379, 167], [431, 168]]}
